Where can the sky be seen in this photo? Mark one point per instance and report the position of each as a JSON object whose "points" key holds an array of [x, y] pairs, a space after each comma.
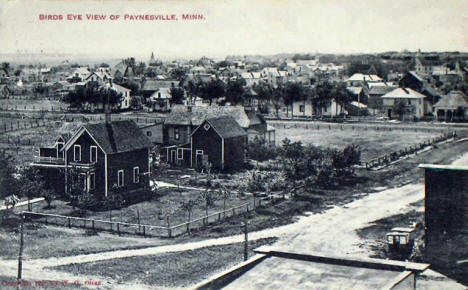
{"points": [[243, 27]]}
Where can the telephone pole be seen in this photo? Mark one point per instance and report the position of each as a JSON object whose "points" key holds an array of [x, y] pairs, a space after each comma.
{"points": [[20, 256], [246, 241]]}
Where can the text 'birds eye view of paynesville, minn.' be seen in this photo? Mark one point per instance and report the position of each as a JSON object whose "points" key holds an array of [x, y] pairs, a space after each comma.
{"points": [[287, 171]]}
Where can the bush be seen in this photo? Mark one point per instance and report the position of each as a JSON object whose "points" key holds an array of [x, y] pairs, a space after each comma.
{"points": [[259, 150]]}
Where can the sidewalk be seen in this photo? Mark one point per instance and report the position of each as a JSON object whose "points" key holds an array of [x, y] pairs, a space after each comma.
{"points": [[23, 203]]}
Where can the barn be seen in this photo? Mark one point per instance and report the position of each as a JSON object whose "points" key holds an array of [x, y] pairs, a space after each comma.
{"points": [[220, 141]]}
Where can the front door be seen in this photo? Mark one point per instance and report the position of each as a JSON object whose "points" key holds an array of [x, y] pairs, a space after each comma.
{"points": [[173, 156], [389, 113]]}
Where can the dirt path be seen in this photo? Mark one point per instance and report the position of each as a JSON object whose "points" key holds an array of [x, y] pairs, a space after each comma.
{"points": [[331, 232]]}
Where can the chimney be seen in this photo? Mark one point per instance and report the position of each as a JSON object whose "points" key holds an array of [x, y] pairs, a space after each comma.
{"points": [[107, 113]]}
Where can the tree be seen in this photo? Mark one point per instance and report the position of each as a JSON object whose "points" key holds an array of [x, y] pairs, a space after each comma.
{"points": [[74, 185], [235, 91], [178, 73], [48, 195], [31, 183], [177, 95], [259, 150], [264, 94], [399, 109], [7, 175], [212, 90], [188, 207], [294, 92]]}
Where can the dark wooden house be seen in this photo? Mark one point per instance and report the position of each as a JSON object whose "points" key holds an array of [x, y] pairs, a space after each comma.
{"points": [[220, 141], [110, 156]]}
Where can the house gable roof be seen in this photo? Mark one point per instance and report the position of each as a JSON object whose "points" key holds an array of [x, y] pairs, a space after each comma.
{"points": [[454, 100], [226, 127], [404, 93], [182, 115], [114, 137]]}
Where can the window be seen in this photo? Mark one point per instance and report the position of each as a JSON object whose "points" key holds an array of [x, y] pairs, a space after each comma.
{"points": [[136, 175], [176, 133], [180, 154], [93, 154], [302, 108], [120, 178], [92, 180], [77, 152], [207, 127], [82, 180], [409, 101], [148, 133]]}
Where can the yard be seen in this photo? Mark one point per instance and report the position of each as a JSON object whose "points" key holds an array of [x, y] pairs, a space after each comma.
{"points": [[179, 269], [372, 142]]}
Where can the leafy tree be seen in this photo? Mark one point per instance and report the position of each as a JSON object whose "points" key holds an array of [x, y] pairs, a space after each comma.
{"points": [[140, 68], [399, 109], [31, 183], [264, 94], [212, 90], [259, 150], [177, 95], [188, 206], [178, 73], [103, 65], [7, 175], [235, 91], [294, 92], [48, 195]]}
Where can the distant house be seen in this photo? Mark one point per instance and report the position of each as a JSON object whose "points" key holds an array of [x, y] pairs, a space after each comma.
{"points": [[375, 102], [99, 76], [332, 108], [220, 141], [453, 106], [182, 120], [303, 108], [413, 104], [359, 79], [161, 99], [79, 74], [151, 86], [422, 83], [154, 132], [110, 156]]}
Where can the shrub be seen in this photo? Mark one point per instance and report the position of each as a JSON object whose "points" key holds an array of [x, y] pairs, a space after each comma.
{"points": [[259, 150]]}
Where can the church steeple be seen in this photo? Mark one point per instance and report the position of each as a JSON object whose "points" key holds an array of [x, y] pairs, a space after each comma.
{"points": [[152, 60]]}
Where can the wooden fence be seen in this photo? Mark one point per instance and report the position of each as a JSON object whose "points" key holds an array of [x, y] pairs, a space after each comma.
{"points": [[394, 156], [20, 125], [70, 117], [359, 127], [146, 229]]}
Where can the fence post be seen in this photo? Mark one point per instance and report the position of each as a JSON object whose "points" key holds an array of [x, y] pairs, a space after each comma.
{"points": [[144, 231], [118, 229], [169, 232], [93, 225], [69, 222]]}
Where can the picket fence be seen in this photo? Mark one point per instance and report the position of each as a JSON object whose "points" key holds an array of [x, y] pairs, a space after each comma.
{"points": [[148, 230]]}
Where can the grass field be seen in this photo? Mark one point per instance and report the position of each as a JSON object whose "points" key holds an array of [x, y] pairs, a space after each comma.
{"points": [[180, 269], [373, 143]]}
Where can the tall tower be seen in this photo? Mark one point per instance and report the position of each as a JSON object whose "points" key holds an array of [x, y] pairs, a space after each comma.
{"points": [[152, 60]]}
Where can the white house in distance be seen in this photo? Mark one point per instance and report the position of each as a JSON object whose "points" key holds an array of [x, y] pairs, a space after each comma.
{"points": [[359, 79], [452, 106], [303, 108], [414, 103]]}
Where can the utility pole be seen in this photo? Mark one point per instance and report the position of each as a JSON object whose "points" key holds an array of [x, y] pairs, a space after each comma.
{"points": [[20, 256], [246, 241]]}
